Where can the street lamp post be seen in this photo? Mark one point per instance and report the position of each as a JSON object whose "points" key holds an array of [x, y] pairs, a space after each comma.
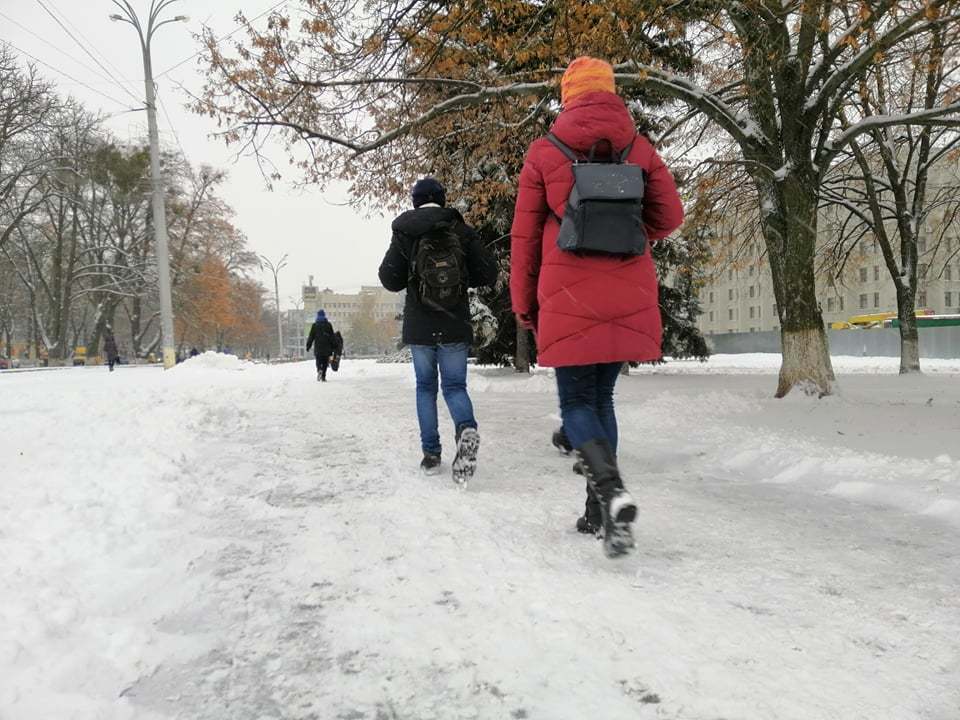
{"points": [[275, 268], [128, 15]]}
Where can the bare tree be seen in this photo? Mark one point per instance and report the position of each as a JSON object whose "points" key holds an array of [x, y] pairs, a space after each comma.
{"points": [[48, 240], [894, 182], [112, 270], [27, 106], [14, 321]]}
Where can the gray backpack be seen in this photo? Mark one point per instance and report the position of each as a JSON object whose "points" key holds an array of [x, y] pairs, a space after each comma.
{"points": [[604, 212]]}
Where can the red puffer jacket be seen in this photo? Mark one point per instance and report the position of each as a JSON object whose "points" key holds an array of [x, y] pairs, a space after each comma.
{"points": [[590, 309]]}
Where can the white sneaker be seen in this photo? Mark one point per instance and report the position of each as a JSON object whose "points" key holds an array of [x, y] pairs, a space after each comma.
{"points": [[617, 534], [465, 463]]}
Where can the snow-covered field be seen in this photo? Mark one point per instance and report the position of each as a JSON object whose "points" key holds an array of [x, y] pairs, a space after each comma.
{"points": [[240, 542]]}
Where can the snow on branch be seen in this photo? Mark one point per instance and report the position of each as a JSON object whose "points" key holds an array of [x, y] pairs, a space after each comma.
{"points": [[933, 116], [744, 131], [324, 84], [481, 96], [835, 78], [845, 40]]}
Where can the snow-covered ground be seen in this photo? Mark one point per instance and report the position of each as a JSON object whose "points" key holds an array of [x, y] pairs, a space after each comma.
{"points": [[238, 542]]}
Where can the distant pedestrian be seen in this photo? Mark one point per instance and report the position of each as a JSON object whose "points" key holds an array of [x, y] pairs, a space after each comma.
{"points": [[194, 352], [435, 256], [110, 347], [582, 277], [323, 340]]}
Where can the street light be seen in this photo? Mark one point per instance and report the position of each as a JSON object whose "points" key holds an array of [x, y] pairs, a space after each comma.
{"points": [[275, 269], [128, 15]]}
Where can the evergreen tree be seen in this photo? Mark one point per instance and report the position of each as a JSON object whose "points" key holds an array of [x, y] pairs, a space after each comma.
{"points": [[680, 266]]}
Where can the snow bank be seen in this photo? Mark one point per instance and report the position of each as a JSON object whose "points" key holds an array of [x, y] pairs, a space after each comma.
{"points": [[884, 445], [541, 380], [97, 495], [769, 363], [211, 360], [403, 355]]}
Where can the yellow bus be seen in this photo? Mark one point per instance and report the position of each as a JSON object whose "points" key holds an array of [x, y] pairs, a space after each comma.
{"points": [[870, 320], [873, 320]]}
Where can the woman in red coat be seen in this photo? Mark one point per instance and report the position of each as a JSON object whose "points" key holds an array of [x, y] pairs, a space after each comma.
{"points": [[590, 313]]}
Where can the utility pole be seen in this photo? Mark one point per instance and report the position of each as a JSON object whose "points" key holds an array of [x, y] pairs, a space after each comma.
{"points": [[275, 269], [159, 208]]}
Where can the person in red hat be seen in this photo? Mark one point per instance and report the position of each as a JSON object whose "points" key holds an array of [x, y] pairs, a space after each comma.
{"points": [[590, 312]]}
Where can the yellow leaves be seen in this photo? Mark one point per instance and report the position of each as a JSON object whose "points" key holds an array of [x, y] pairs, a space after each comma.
{"points": [[372, 44], [315, 26], [951, 95]]}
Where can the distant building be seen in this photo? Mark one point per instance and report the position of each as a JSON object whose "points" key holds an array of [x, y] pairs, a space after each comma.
{"points": [[342, 308]]}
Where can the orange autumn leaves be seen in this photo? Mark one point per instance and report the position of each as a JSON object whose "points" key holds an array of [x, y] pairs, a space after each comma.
{"points": [[218, 308]]}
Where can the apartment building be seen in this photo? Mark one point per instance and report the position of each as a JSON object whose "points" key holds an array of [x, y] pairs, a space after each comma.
{"points": [[341, 308], [738, 296]]}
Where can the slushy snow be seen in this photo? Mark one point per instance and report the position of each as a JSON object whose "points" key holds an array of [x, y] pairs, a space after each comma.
{"points": [[237, 541]]}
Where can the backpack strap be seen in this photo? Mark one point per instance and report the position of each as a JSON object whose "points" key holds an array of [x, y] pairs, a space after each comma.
{"points": [[571, 155]]}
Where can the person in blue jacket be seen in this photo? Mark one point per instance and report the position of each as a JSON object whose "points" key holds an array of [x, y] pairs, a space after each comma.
{"points": [[324, 342]]}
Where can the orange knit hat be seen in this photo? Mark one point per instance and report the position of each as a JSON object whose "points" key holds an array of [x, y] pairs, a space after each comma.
{"points": [[583, 75]]}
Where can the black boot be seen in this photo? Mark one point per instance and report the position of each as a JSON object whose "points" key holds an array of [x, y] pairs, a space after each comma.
{"points": [[616, 506], [430, 465], [591, 522], [561, 442]]}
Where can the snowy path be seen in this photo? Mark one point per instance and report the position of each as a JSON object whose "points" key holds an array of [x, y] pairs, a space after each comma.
{"points": [[255, 545]]}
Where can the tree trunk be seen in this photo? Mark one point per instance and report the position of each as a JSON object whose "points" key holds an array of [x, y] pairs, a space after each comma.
{"points": [[909, 337], [136, 329], [66, 298], [521, 358], [789, 219], [35, 333]]}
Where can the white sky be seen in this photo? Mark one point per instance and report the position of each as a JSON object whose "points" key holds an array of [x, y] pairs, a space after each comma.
{"points": [[340, 248]]}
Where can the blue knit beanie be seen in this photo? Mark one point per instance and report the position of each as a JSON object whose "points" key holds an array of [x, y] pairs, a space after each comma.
{"points": [[428, 190], [321, 315]]}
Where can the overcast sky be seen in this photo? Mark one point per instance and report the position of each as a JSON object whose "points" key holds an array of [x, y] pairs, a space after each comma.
{"points": [[322, 237]]}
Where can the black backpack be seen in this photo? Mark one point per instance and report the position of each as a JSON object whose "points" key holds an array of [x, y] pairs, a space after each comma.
{"points": [[604, 212], [439, 268]]}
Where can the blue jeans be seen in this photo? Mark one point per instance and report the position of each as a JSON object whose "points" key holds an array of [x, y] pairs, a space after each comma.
{"points": [[586, 402], [451, 360]]}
